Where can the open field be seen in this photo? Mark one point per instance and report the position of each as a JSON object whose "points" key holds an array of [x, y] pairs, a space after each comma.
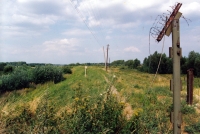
{"points": [[141, 100]]}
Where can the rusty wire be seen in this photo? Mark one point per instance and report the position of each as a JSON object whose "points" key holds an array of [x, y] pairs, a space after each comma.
{"points": [[186, 19]]}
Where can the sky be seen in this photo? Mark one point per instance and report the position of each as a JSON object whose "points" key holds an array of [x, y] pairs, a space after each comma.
{"points": [[75, 31]]}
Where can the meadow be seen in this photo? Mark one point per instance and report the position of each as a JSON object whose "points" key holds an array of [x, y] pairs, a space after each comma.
{"points": [[117, 101]]}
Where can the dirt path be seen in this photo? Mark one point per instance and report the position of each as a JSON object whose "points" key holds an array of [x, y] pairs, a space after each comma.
{"points": [[128, 111]]}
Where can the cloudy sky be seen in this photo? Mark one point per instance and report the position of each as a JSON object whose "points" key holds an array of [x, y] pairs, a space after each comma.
{"points": [[71, 31]]}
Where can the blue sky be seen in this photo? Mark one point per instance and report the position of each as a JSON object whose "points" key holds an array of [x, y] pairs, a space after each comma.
{"points": [[71, 31]]}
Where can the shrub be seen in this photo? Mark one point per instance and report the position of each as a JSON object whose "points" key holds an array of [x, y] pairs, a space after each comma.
{"points": [[42, 74], [43, 121], [194, 128], [8, 69], [16, 80], [23, 76], [97, 115], [67, 70], [187, 109], [2, 65]]}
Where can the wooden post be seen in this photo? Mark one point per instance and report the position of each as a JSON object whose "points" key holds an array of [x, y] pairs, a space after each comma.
{"points": [[107, 58], [104, 57]]}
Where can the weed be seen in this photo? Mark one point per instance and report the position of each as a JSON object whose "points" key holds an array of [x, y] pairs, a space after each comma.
{"points": [[193, 129]]}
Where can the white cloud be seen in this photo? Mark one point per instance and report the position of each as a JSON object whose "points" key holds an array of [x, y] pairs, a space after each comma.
{"points": [[34, 19], [40, 29], [131, 49], [61, 46], [191, 8], [108, 37], [76, 32]]}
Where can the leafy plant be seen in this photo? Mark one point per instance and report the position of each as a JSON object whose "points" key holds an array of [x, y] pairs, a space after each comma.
{"points": [[193, 129], [42, 74], [8, 69], [67, 70]]}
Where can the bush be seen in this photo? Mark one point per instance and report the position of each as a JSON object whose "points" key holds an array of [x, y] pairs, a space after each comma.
{"points": [[194, 128], [8, 69], [187, 109], [42, 74], [23, 76], [2, 65], [17, 80], [67, 70], [101, 115], [43, 121]]}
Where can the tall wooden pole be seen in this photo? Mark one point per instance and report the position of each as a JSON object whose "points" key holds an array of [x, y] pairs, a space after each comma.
{"points": [[104, 57], [176, 77]]}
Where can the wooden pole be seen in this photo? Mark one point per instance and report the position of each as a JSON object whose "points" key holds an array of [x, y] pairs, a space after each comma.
{"points": [[104, 57], [107, 58]]}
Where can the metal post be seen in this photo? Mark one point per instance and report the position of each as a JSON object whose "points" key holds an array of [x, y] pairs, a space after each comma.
{"points": [[176, 77], [190, 77]]}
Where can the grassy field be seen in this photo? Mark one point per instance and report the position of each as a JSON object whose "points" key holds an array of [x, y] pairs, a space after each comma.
{"points": [[140, 97]]}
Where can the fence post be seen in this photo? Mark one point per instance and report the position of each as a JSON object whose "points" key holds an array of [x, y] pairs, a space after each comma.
{"points": [[190, 77]]}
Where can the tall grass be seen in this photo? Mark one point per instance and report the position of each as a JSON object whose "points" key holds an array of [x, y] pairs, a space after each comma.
{"points": [[82, 104]]}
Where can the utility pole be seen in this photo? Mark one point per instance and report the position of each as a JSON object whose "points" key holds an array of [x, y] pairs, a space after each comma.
{"points": [[107, 58], [109, 62], [104, 57]]}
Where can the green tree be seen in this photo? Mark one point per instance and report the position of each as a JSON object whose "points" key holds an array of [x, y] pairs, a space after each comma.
{"points": [[130, 64], [197, 66], [150, 64], [169, 65], [191, 61], [136, 63], [118, 63], [2, 65], [8, 69], [184, 65]]}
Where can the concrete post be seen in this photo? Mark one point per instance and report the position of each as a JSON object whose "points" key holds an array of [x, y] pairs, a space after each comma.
{"points": [[176, 77], [85, 71]]}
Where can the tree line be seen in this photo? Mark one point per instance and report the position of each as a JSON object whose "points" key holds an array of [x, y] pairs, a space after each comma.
{"points": [[151, 62]]}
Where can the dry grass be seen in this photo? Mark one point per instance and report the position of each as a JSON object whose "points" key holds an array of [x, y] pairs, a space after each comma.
{"points": [[34, 104]]}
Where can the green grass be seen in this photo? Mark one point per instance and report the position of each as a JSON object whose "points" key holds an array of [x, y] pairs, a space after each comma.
{"points": [[150, 101], [59, 94]]}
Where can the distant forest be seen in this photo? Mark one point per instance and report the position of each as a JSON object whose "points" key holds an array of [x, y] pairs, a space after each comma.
{"points": [[150, 64]]}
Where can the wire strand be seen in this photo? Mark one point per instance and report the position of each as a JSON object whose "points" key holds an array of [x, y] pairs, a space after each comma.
{"points": [[81, 16], [158, 63]]}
